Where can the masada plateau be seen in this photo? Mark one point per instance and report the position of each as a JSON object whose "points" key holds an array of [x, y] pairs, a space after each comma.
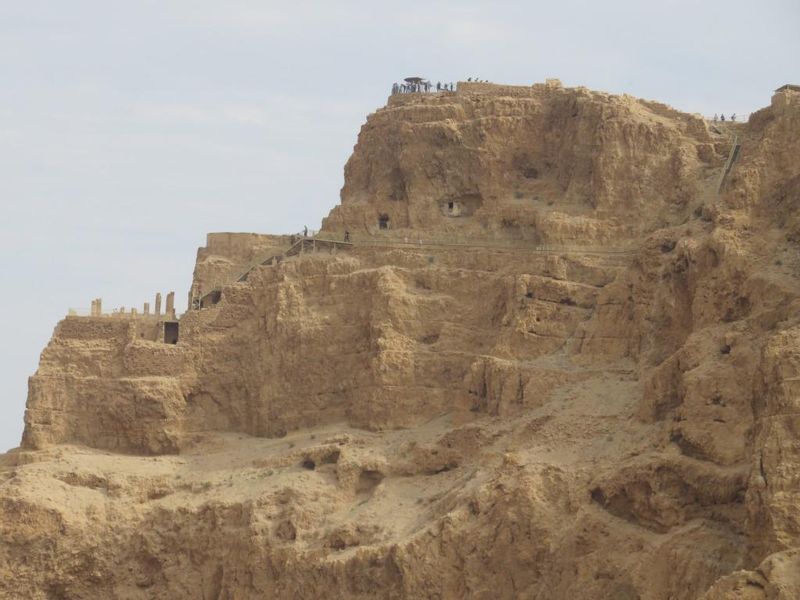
{"points": [[546, 346]]}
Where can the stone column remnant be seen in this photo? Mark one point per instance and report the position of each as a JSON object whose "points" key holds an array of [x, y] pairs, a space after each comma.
{"points": [[158, 304], [99, 306], [170, 311], [146, 309], [93, 311]]}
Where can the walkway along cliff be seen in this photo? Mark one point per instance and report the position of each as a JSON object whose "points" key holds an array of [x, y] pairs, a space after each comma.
{"points": [[557, 358]]}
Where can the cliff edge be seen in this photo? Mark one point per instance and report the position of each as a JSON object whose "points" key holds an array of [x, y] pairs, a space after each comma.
{"points": [[545, 347]]}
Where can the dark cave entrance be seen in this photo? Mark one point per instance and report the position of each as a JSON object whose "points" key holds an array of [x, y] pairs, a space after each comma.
{"points": [[170, 332]]}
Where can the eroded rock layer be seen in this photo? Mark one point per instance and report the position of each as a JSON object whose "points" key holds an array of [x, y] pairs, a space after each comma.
{"points": [[559, 360]]}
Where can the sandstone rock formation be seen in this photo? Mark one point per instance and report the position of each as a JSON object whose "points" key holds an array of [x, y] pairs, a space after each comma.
{"points": [[560, 360]]}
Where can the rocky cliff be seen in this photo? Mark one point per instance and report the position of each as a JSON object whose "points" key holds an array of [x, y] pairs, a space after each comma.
{"points": [[558, 360]]}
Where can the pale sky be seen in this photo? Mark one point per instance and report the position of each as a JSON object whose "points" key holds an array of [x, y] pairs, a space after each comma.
{"points": [[130, 128]]}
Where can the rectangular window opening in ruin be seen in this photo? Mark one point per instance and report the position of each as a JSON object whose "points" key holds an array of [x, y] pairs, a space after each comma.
{"points": [[170, 332], [383, 222]]}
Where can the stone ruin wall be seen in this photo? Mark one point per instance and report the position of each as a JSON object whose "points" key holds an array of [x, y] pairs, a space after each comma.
{"points": [[227, 255]]}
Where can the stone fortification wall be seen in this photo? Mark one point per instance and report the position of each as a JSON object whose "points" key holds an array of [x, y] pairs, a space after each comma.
{"points": [[108, 383], [227, 255], [240, 247]]}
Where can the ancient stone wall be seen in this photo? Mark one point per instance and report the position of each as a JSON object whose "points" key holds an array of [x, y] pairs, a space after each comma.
{"points": [[227, 255]]}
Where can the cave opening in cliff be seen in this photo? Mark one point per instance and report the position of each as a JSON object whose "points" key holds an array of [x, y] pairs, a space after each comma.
{"points": [[211, 299], [463, 206], [453, 209], [383, 222], [171, 332]]}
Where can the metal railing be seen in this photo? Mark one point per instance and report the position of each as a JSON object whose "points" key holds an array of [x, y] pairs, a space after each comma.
{"points": [[454, 241], [740, 119], [418, 242], [260, 260]]}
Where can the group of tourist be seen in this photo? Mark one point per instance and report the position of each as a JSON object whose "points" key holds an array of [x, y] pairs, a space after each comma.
{"points": [[421, 86], [722, 118], [415, 84]]}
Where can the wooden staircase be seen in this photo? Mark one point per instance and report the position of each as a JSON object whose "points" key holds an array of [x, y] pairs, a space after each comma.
{"points": [[734, 154]]}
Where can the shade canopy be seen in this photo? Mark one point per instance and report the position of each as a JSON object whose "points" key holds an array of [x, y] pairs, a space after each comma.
{"points": [[414, 79]]}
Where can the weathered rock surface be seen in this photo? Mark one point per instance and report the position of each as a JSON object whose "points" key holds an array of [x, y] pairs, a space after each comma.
{"points": [[567, 368]]}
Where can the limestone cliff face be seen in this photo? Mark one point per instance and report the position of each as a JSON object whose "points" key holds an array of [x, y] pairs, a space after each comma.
{"points": [[377, 338], [448, 408], [105, 383], [543, 163]]}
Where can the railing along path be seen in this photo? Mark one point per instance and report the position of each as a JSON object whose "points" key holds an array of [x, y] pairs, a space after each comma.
{"points": [[320, 243]]}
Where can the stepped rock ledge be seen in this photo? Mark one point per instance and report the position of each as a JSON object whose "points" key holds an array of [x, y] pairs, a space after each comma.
{"points": [[557, 357]]}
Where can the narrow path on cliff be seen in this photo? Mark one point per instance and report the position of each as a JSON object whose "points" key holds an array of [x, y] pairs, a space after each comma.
{"points": [[327, 243]]}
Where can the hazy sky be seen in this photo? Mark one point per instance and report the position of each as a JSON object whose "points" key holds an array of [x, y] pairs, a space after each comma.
{"points": [[129, 129]]}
